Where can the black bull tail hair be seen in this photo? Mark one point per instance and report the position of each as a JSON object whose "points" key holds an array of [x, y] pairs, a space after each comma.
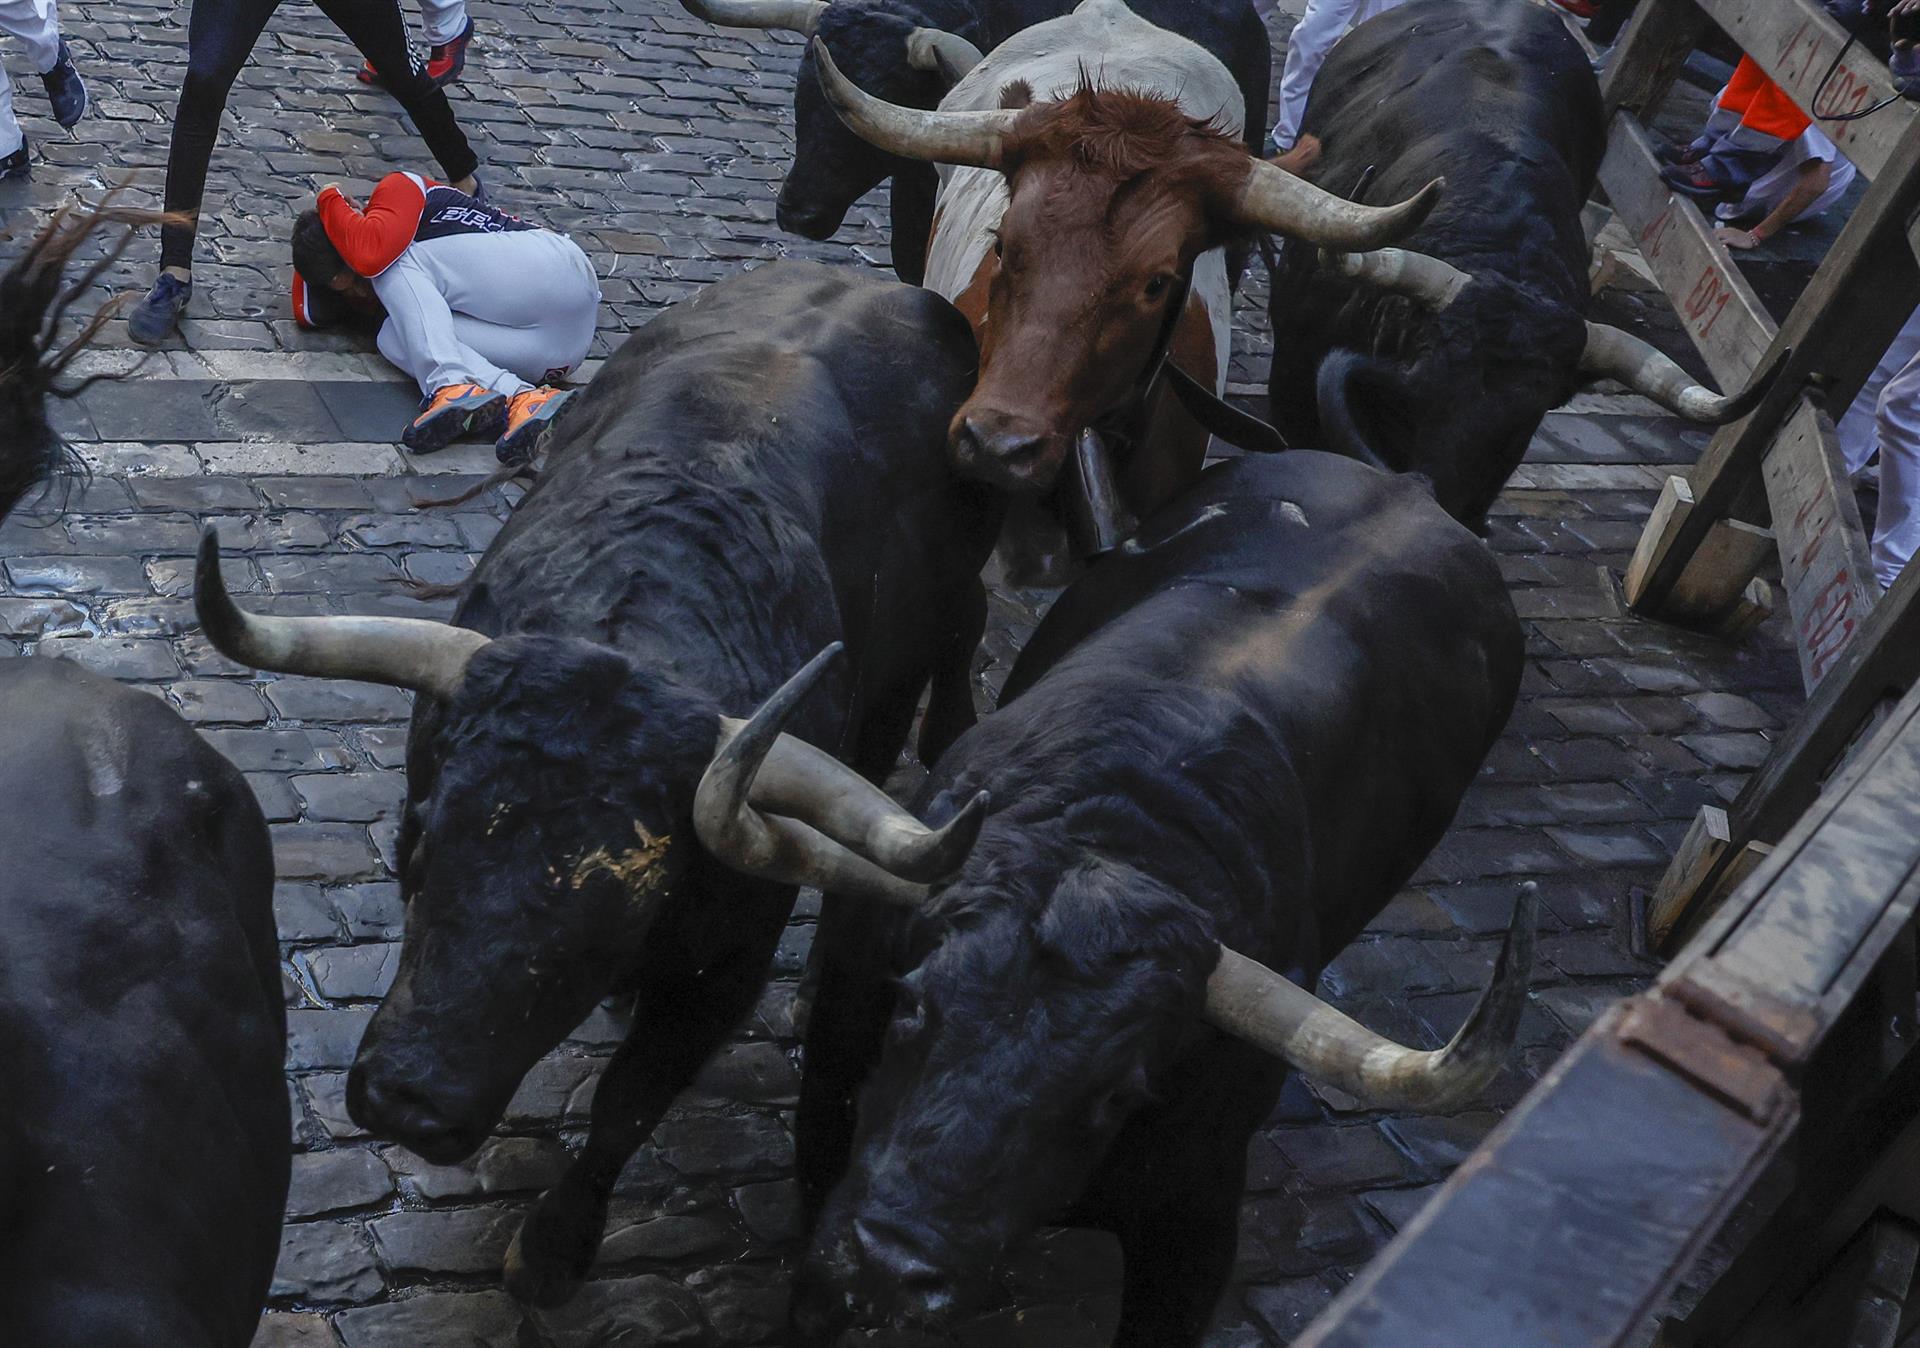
{"points": [[35, 294]]}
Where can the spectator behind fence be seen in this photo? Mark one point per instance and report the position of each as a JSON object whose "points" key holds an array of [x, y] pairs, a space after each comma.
{"points": [[1760, 159]]}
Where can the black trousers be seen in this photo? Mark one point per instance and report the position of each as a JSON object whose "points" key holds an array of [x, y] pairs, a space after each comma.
{"points": [[221, 35]]}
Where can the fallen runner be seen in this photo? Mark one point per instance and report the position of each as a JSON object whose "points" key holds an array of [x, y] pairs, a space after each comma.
{"points": [[486, 311]]}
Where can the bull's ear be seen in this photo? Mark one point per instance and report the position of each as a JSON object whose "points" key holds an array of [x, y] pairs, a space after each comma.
{"points": [[1360, 398], [1016, 96]]}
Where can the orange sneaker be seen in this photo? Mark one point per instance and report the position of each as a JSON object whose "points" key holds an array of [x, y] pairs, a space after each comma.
{"points": [[529, 417], [454, 411]]}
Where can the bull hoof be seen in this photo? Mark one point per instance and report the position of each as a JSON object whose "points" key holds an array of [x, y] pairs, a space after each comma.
{"points": [[551, 1254]]}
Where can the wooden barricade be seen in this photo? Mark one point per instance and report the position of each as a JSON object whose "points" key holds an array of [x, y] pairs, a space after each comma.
{"points": [[1781, 465]]}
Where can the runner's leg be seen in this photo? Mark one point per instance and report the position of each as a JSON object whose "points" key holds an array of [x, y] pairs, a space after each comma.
{"points": [[1896, 533], [38, 28], [421, 338], [220, 36], [445, 20], [376, 28]]}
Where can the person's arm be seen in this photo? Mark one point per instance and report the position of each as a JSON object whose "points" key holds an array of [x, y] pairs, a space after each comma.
{"points": [[370, 241], [1324, 23], [1809, 185]]}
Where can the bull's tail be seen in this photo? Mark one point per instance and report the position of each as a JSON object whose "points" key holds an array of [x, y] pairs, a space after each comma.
{"points": [[1334, 390], [35, 295]]}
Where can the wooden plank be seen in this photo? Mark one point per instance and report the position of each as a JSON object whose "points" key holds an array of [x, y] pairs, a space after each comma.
{"points": [[1657, 536], [1795, 42], [1648, 55], [1855, 305], [1715, 304], [1880, 663], [1721, 570], [1824, 559], [1695, 863], [1570, 1221], [1630, 1153], [1788, 951]]}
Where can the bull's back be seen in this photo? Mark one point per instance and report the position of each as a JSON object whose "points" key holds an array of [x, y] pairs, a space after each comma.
{"points": [[144, 1157], [1495, 95], [1341, 621]]}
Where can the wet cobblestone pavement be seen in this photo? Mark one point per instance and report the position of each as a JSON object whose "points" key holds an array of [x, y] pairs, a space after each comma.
{"points": [[658, 145]]}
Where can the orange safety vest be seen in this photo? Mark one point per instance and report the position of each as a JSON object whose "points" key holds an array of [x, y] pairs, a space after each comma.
{"points": [[1761, 104]]}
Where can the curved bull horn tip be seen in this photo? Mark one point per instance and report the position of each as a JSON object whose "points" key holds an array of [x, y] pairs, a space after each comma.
{"points": [[1252, 1002], [942, 53], [1277, 201], [937, 853], [793, 16], [428, 657], [779, 808], [975, 139], [1611, 353], [1432, 282]]}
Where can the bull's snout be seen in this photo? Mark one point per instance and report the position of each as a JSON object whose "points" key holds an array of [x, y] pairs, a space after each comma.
{"points": [[902, 1275], [808, 219], [399, 1110], [1000, 449]]}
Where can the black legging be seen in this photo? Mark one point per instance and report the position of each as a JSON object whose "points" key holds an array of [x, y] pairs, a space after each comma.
{"points": [[220, 37]]}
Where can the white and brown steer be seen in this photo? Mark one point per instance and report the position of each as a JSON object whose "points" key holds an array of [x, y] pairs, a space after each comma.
{"points": [[1091, 164]]}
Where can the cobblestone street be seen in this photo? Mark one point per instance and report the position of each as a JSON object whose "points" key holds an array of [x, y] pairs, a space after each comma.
{"points": [[658, 144]]}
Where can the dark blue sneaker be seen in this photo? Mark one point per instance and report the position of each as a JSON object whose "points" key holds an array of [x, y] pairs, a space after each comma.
{"points": [[155, 317], [65, 89], [15, 166]]}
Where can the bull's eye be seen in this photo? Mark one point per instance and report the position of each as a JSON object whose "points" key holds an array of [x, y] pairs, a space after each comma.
{"points": [[1157, 287], [999, 246], [908, 1022]]}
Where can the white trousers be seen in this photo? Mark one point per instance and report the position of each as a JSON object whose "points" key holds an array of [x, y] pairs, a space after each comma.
{"points": [[443, 19], [1324, 23], [1885, 418], [38, 28], [499, 310]]}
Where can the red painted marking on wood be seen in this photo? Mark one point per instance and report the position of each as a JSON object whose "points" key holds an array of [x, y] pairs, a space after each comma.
{"points": [[1817, 535], [1655, 234], [1708, 299], [1829, 625]]}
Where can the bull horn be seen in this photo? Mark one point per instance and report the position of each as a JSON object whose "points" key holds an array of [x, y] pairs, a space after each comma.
{"points": [[428, 657], [778, 808], [975, 139], [792, 16], [942, 53], [1613, 354], [1251, 1002], [1432, 282], [1278, 202]]}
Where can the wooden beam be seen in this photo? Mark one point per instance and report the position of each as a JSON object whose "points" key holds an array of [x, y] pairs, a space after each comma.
{"points": [[1648, 55], [1717, 590], [1631, 1152], [1795, 42], [1695, 863], [1880, 662], [1824, 560], [1860, 297], [1719, 310]]}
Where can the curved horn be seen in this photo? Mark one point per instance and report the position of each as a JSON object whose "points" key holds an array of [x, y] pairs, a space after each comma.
{"points": [[1613, 354], [1427, 279], [776, 807], [970, 138], [1277, 201], [945, 54], [428, 657], [793, 16], [1251, 1002]]}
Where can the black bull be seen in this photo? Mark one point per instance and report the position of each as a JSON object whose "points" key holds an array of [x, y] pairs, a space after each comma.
{"points": [[1247, 727], [833, 168], [144, 1131], [1495, 96], [756, 473]]}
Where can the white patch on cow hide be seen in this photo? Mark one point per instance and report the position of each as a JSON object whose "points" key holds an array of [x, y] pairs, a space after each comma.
{"points": [[1290, 511]]}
